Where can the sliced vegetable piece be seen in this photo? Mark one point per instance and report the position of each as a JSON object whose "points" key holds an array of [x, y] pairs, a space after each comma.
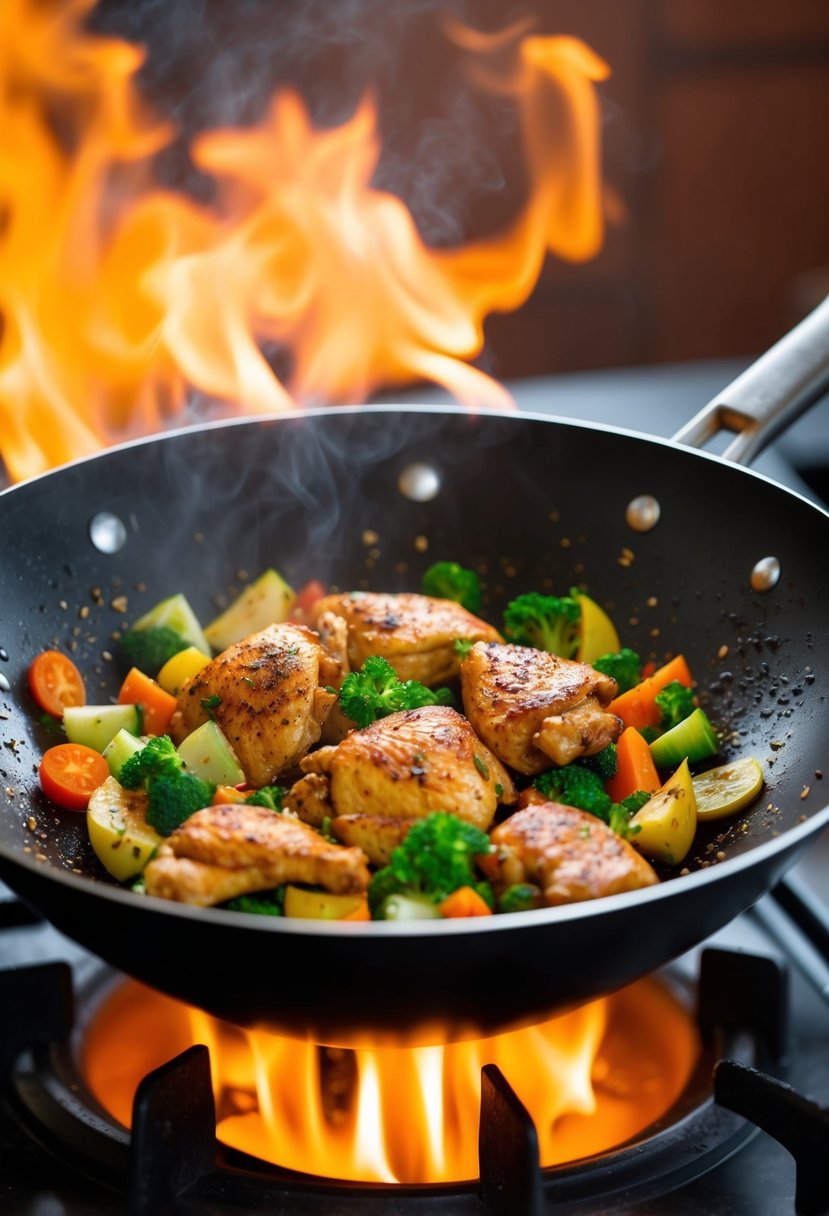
{"points": [[635, 769], [306, 597], [120, 748], [175, 613], [96, 725], [664, 827], [228, 794], [207, 754], [597, 633], [464, 902], [694, 738], [180, 668], [307, 904], [70, 772], [266, 601], [120, 836], [55, 682], [728, 788], [410, 907], [637, 707], [158, 706]]}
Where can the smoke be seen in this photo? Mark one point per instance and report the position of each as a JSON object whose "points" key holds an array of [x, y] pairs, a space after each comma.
{"points": [[448, 148]]}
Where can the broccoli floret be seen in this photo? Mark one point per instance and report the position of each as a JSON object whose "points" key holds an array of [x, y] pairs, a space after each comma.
{"points": [[271, 796], [548, 622], [266, 903], [622, 812], [575, 786], [173, 797], [149, 649], [463, 647], [604, 762], [675, 702], [157, 756], [436, 858], [624, 666], [449, 581], [375, 691], [519, 898]]}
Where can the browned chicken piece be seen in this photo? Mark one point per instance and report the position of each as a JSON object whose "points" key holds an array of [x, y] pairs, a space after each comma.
{"points": [[409, 764], [416, 633], [376, 835], [568, 853], [532, 707], [225, 851], [267, 694], [333, 633]]}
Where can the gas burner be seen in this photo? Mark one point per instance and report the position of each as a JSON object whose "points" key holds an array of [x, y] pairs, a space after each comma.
{"points": [[172, 1161]]}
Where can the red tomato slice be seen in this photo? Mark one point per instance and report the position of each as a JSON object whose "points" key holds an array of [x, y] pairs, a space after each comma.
{"points": [[306, 597], [70, 773], [55, 682]]}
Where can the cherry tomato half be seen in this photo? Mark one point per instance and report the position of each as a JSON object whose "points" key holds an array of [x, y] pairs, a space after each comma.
{"points": [[55, 682], [306, 597], [70, 773]]}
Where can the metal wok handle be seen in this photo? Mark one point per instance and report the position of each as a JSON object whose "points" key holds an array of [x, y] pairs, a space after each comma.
{"points": [[770, 394]]}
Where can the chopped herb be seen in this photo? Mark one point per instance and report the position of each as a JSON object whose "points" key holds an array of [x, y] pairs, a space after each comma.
{"points": [[208, 704], [463, 647], [499, 789], [248, 680], [480, 765]]}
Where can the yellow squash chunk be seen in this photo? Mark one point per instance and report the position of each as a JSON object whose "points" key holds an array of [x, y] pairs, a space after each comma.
{"points": [[180, 668], [265, 602], [122, 839], [668, 821], [319, 905], [598, 634]]}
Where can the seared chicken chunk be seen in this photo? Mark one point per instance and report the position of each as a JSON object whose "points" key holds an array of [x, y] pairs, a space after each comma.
{"points": [[568, 853], [416, 633], [268, 695], [407, 765], [225, 851], [532, 707]]}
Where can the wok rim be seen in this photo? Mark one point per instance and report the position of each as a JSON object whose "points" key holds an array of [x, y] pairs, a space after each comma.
{"points": [[791, 841]]}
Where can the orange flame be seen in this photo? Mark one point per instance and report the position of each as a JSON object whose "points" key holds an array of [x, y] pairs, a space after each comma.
{"points": [[118, 298], [591, 1079]]}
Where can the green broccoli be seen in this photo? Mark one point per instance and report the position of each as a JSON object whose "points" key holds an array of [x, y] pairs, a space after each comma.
{"points": [[157, 756], [624, 666], [575, 786], [547, 622], [149, 649], [265, 903], [449, 581], [604, 762], [622, 812], [270, 796], [519, 898], [173, 797], [375, 691], [675, 703], [436, 858], [463, 647]]}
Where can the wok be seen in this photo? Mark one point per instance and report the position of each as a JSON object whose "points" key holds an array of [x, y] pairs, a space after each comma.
{"points": [[536, 503]]}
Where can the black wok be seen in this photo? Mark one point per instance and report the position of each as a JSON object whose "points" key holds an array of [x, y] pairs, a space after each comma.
{"points": [[529, 500]]}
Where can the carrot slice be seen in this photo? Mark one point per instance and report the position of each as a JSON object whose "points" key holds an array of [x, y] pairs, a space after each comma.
{"points": [[227, 793], [158, 705], [635, 769], [360, 913], [637, 707], [464, 902]]}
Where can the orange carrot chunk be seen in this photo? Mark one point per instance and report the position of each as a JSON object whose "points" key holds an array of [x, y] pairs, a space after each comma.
{"points": [[464, 902], [637, 707], [635, 769], [158, 705]]}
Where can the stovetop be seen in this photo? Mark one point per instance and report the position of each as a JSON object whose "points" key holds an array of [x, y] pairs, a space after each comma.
{"points": [[759, 1179]]}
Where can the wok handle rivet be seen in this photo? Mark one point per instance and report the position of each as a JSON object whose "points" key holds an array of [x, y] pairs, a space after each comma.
{"points": [[107, 532], [643, 513], [419, 482], [766, 574]]}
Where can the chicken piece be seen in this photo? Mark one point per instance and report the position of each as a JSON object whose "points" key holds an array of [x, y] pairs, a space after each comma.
{"points": [[411, 763], [272, 699], [416, 633], [376, 835], [568, 853], [225, 851], [333, 633], [532, 707]]}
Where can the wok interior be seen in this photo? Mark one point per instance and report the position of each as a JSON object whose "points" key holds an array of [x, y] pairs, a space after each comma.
{"points": [[532, 504]]}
